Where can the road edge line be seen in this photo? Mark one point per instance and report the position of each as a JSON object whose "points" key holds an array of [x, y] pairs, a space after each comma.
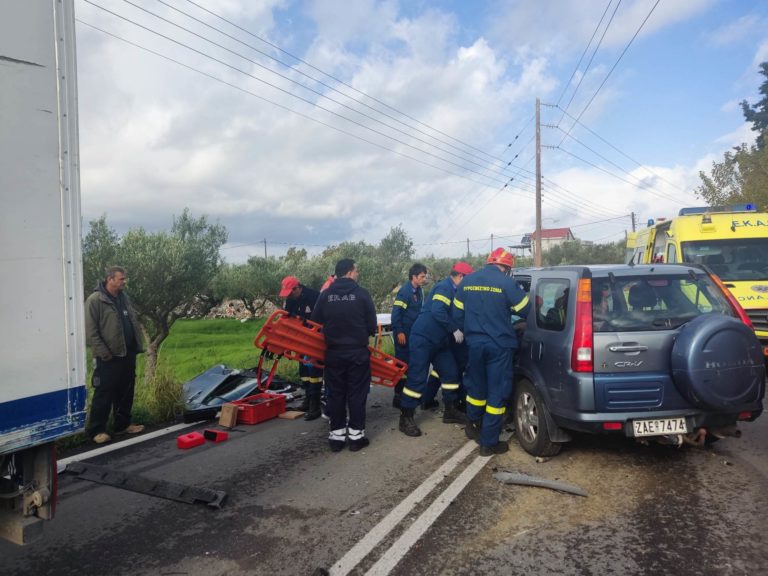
{"points": [[360, 550], [62, 464], [390, 559]]}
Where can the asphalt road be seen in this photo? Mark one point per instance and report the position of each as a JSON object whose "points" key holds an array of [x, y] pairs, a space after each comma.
{"points": [[403, 506]]}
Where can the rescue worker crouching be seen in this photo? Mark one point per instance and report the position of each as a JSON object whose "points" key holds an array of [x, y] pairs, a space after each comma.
{"points": [[300, 302], [484, 305], [430, 343], [405, 310]]}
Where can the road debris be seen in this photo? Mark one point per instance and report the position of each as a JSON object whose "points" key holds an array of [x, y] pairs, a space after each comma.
{"points": [[527, 480]]}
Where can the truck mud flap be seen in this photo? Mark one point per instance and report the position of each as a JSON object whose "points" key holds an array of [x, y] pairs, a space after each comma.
{"points": [[149, 486]]}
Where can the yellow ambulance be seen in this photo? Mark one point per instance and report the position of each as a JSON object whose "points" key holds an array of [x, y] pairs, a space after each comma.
{"points": [[731, 240]]}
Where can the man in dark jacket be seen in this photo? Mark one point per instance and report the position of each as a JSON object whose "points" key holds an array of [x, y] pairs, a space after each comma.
{"points": [[484, 305], [300, 301], [348, 316], [405, 310], [112, 332]]}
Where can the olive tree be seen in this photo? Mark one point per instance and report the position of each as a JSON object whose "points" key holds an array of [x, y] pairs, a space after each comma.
{"points": [[166, 270]]}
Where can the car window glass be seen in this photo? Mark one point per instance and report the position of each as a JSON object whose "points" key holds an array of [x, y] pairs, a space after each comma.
{"points": [[658, 303], [552, 303]]}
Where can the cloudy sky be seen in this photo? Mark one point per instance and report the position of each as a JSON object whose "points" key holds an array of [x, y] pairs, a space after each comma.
{"points": [[312, 122]]}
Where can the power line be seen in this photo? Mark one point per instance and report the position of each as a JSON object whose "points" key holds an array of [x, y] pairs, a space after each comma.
{"points": [[613, 67], [594, 52], [308, 76], [640, 182], [638, 164], [277, 104], [651, 190], [305, 87], [275, 46], [289, 93]]}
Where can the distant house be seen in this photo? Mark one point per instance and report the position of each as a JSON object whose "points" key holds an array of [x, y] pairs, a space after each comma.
{"points": [[551, 237]]}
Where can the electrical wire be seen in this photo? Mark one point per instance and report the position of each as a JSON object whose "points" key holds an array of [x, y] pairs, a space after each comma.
{"points": [[613, 67], [305, 87], [276, 47], [289, 93], [277, 104]]}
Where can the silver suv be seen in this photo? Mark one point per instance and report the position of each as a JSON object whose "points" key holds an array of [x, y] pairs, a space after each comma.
{"points": [[659, 352]]}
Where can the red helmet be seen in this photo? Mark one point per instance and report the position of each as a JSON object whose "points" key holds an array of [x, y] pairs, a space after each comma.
{"points": [[501, 256]]}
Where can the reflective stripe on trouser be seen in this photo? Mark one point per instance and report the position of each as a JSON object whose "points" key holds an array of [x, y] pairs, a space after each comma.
{"points": [[348, 379], [340, 435], [353, 434], [423, 353], [311, 378], [489, 387]]}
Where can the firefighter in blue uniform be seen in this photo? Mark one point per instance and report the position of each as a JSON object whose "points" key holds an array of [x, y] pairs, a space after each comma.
{"points": [[484, 305], [405, 310], [300, 301], [431, 338]]}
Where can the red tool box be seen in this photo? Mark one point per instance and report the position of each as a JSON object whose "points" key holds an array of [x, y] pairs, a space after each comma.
{"points": [[189, 440], [302, 340], [259, 407]]}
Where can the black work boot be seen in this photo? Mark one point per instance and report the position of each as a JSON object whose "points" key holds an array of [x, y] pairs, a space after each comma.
{"points": [[313, 409], [452, 415], [472, 430], [407, 423], [304, 406], [499, 448]]}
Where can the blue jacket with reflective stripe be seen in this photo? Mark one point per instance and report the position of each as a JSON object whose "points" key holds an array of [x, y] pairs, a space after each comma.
{"points": [[436, 322], [484, 304], [406, 308]]}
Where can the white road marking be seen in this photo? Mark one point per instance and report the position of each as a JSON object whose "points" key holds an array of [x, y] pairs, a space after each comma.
{"points": [[62, 464], [400, 548], [360, 550]]}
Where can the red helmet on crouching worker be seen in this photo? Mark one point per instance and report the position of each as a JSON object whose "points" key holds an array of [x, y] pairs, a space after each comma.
{"points": [[502, 257]]}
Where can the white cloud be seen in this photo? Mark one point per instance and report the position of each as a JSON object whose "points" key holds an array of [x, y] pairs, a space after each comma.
{"points": [[736, 31], [156, 138]]}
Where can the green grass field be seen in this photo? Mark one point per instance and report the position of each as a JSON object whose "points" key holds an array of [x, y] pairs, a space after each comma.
{"points": [[192, 347]]}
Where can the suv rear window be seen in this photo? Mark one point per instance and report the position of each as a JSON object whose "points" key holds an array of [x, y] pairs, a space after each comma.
{"points": [[633, 303]]}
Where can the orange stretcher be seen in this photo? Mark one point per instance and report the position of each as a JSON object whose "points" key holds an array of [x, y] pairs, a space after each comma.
{"points": [[284, 336]]}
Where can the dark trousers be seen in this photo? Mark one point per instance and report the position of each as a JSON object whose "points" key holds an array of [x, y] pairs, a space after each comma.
{"points": [[401, 353], [348, 379], [489, 387], [424, 353], [113, 387], [311, 379]]}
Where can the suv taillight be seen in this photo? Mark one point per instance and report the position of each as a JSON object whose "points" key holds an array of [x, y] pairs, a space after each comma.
{"points": [[581, 354], [742, 315]]}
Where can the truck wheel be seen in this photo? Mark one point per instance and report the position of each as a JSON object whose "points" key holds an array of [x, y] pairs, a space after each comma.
{"points": [[531, 421]]}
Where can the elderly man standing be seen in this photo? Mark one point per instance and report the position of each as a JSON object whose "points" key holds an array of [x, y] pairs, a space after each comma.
{"points": [[348, 316], [483, 307], [112, 332]]}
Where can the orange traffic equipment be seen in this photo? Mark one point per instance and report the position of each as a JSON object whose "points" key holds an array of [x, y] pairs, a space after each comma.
{"points": [[302, 340]]}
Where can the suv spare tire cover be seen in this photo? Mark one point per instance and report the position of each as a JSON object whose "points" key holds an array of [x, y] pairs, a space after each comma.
{"points": [[717, 362]]}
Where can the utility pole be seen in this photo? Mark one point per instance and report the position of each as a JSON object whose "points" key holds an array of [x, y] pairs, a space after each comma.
{"points": [[537, 254], [265, 248], [491, 241], [633, 221], [467, 247]]}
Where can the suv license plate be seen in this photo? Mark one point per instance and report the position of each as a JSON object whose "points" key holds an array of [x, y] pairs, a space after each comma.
{"points": [[659, 427]]}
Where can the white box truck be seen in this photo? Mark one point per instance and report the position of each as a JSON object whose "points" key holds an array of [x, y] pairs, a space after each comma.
{"points": [[42, 347]]}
